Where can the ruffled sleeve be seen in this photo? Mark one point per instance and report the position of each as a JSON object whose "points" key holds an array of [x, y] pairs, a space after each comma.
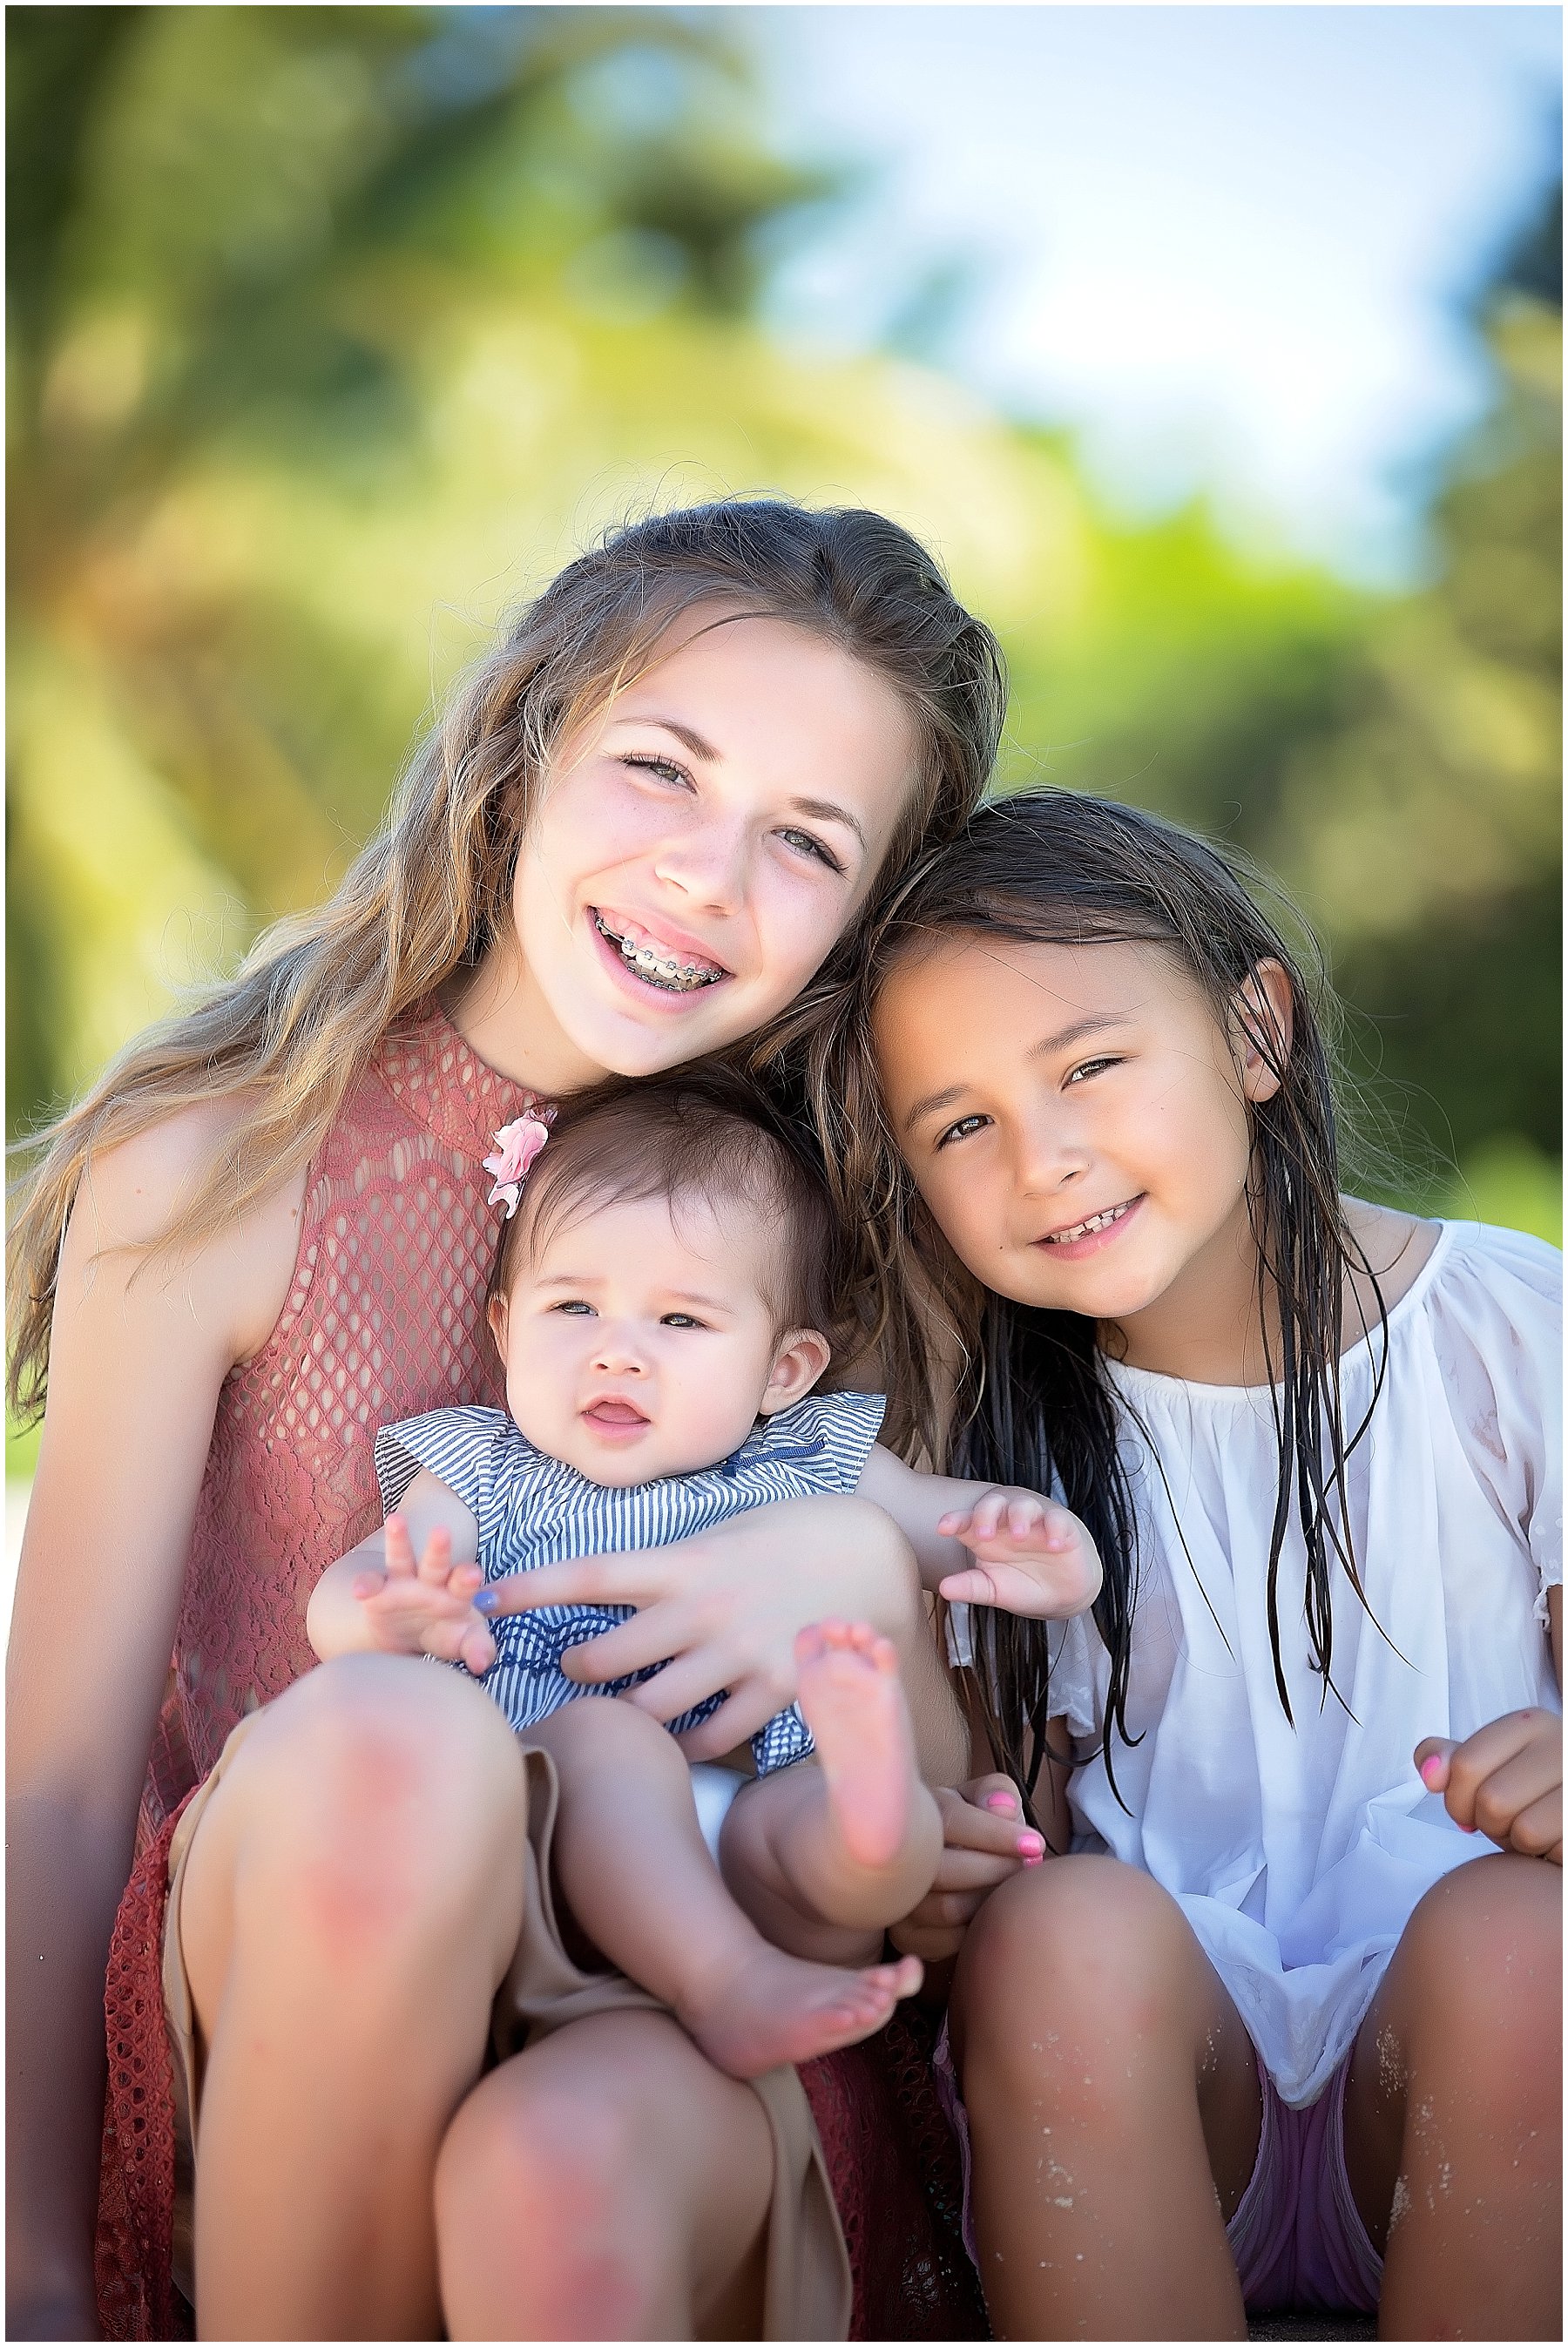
{"points": [[470, 1450], [1497, 1322], [828, 1436]]}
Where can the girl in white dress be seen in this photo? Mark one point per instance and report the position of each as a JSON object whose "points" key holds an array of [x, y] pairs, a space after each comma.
{"points": [[1283, 2029]]}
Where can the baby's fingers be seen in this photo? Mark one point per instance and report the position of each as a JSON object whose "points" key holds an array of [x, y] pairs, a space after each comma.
{"points": [[435, 1564], [400, 1558]]}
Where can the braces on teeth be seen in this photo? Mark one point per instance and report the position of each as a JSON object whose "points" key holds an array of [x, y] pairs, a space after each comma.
{"points": [[664, 971]]}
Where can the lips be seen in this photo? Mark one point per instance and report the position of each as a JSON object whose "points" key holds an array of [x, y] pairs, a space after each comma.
{"points": [[610, 1410], [665, 960], [1089, 1227]]}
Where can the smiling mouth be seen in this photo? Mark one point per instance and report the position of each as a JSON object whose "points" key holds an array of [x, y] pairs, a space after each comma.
{"points": [[658, 966], [1087, 1228]]}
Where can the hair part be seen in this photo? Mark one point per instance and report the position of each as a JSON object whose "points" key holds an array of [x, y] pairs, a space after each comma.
{"points": [[1030, 1402], [701, 1133], [286, 1038]]}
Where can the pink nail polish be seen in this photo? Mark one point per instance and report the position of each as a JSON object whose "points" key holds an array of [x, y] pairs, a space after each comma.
{"points": [[1031, 1845], [1431, 1768], [1000, 1801], [1034, 1858]]}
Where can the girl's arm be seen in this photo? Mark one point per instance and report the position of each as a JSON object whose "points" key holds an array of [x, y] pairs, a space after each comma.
{"points": [[988, 1544], [728, 1605], [410, 1588], [135, 1368]]}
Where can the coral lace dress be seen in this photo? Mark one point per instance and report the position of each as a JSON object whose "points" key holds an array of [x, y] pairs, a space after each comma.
{"points": [[384, 1319]]}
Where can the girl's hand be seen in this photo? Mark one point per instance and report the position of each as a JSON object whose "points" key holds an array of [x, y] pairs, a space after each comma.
{"points": [[425, 1606], [984, 1839], [1031, 1556], [728, 1605], [1504, 1781]]}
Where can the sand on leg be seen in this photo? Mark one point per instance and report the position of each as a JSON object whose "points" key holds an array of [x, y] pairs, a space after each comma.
{"points": [[1114, 2109], [1453, 2113]]}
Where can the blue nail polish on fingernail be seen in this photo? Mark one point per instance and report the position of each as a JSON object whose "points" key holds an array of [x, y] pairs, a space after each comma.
{"points": [[484, 1601]]}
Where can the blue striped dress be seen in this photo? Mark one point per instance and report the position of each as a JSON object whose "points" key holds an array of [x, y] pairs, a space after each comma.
{"points": [[532, 1510]]}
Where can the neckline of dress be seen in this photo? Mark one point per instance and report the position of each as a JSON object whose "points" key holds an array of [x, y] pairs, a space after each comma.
{"points": [[1156, 1381], [437, 1078]]}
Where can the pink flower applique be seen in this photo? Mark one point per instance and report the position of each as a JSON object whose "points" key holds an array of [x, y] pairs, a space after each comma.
{"points": [[516, 1146]]}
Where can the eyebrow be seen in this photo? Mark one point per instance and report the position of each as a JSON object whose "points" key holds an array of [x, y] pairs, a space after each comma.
{"points": [[1061, 1042], [694, 741], [829, 811]]}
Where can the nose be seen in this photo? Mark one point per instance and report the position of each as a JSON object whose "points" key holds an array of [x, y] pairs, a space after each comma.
{"points": [[708, 863], [616, 1352], [1050, 1152]]}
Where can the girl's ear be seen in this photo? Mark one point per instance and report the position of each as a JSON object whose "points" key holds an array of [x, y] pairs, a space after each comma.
{"points": [[1261, 1017], [496, 1314], [800, 1360]]}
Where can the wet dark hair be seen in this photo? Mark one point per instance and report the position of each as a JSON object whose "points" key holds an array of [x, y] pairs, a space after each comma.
{"points": [[702, 1132], [1032, 1403]]}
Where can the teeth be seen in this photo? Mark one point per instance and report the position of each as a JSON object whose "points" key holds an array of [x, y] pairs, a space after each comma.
{"points": [[1082, 1230], [665, 970]]}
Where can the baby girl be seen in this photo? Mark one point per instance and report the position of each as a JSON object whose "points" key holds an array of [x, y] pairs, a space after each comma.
{"points": [[660, 1304]]}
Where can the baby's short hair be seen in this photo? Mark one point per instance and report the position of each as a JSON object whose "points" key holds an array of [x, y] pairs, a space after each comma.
{"points": [[703, 1131]]}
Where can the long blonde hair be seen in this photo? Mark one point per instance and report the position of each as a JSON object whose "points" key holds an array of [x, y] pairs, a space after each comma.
{"points": [[290, 1033]]}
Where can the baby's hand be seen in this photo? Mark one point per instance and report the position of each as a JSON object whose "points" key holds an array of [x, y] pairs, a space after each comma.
{"points": [[426, 1607], [1030, 1555], [1504, 1781]]}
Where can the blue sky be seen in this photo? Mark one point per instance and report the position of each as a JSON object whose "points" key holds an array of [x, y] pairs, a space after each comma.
{"points": [[1224, 244]]}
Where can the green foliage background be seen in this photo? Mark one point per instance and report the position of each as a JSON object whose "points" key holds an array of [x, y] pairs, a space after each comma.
{"points": [[333, 331]]}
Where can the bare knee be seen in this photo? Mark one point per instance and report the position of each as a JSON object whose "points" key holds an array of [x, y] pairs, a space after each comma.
{"points": [[535, 2188], [1479, 1976], [1084, 1941], [376, 1791]]}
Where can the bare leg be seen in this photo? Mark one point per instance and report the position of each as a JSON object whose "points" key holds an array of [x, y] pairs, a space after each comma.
{"points": [[1113, 2105], [823, 1855], [607, 2184], [352, 1898], [1453, 2115], [636, 1874]]}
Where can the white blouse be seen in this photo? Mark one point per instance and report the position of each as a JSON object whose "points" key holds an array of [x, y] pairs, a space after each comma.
{"points": [[1298, 1854]]}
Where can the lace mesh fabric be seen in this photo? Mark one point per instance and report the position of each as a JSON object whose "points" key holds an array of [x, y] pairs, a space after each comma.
{"points": [[385, 1319]]}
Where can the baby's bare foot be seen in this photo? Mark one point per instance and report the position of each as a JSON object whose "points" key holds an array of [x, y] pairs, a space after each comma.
{"points": [[772, 2010], [853, 1699]]}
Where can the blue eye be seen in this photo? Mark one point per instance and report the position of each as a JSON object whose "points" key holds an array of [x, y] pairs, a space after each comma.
{"points": [[962, 1129], [575, 1305], [681, 1321]]}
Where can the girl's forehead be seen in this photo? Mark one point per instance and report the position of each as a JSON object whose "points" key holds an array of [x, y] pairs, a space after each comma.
{"points": [[981, 994]]}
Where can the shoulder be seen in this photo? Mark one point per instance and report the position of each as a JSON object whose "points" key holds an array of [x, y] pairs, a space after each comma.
{"points": [[132, 1191], [1396, 1248]]}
